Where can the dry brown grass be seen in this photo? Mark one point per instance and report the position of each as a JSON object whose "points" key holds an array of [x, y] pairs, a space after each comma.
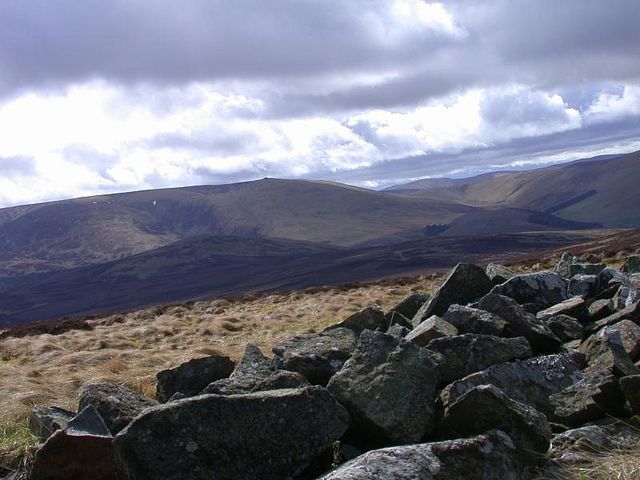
{"points": [[131, 348]]}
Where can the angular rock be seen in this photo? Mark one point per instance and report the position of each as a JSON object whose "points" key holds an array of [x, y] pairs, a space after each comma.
{"points": [[631, 389], [593, 397], [577, 446], [407, 307], [265, 435], [433, 327], [43, 421], [599, 309], [369, 318], [632, 313], [255, 372], [116, 404], [541, 288], [83, 449], [464, 284], [498, 273], [630, 337], [575, 307], [486, 407], [317, 356], [605, 352], [521, 323], [529, 381], [473, 320], [465, 354], [584, 286], [625, 297], [398, 331], [191, 377], [491, 456], [566, 328], [611, 277], [585, 268], [632, 264], [389, 388]]}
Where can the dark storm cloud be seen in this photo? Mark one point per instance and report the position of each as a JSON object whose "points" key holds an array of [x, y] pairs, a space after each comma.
{"points": [[17, 166]]}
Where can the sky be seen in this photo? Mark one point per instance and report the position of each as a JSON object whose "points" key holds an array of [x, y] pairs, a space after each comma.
{"points": [[99, 97]]}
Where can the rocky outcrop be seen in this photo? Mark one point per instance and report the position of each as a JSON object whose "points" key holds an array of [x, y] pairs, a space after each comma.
{"points": [[389, 388], [433, 327], [275, 434], [191, 377], [116, 404], [473, 320], [543, 289]]}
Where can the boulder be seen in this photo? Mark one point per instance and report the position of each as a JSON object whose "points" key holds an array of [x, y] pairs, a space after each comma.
{"points": [[631, 389], [433, 327], [611, 277], [389, 387], [464, 284], [599, 309], [521, 323], [575, 307], [407, 307], [43, 421], [593, 397], [577, 446], [473, 320], [116, 404], [567, 258], [191, 377], [632, 313], [570, 265], [465, 354], [629, 336], [529, 381], [498, 273], [317, 356], [369, 318], [631, 265], [491, 456], [584, 286], [81, 450], [398, 331], [541, 288], [604, 351], [264, 435], [566, 328], [625, 297], [254, 373], [486, 407]]}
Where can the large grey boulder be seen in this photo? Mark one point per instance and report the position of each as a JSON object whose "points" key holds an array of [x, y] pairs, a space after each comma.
{"points": [[265, 435], [465, 354], [611, 277], [407, 307], [629, 336], [529, 381], [491, 456], [433, 327], [599, 309], [566, 328], [625, 297], [317, 356], [255, 373], [371, 317], [543, 289], [43, 421], [464, 284], [389, 387], [116, 404], [593, 397], [605, 352], [585, 286], [81, 450], [575, 307], [486, 407], [473, 320], [191, 377], [521, 323], [576, 446], [632, 313], [570, 265], [498, 273]]}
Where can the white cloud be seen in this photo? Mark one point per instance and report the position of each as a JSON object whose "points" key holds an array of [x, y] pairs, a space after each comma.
{"points": [[608, 107]]}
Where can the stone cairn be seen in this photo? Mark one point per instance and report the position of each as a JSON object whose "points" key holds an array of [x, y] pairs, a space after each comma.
{"points": [[494, 376]]}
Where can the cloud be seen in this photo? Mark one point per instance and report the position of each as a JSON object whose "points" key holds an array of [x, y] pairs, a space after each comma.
{"points": [[17, 166]]}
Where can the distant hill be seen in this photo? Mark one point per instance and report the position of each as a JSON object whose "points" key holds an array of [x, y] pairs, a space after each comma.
{"points": [[602, 190]]}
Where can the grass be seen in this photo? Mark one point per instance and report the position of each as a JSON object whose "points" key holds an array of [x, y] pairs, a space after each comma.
{"points": [[16, 443]]}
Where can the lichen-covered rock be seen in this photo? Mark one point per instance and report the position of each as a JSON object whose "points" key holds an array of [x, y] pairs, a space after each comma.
{"points": [[465, 354], [541, 288], [593, 397], [632, 313], [566, 328], [433, 327], [629, 336], [116, 404], [625, 297], [529, 381], [43, 421], [605, 352], [498, 273], [584, 286], [317, 356], [486, 407], [81, 450], [407, 308], [521, 323], [599, 309], [491, 456], [265, 435], [389, 388], [191, 377], [473, 320], [255, 373], [464, 284], [610, 277], [575, 307]]}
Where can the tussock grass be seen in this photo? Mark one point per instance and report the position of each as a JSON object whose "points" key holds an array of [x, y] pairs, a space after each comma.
{"points": [[611, 464], [16, 443]]}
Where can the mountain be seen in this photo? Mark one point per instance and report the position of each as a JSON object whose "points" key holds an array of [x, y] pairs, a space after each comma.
{"points": [[601, 190]]}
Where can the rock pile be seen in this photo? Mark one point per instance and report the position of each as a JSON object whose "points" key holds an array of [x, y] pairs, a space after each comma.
{"points": [[470, 382]]}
